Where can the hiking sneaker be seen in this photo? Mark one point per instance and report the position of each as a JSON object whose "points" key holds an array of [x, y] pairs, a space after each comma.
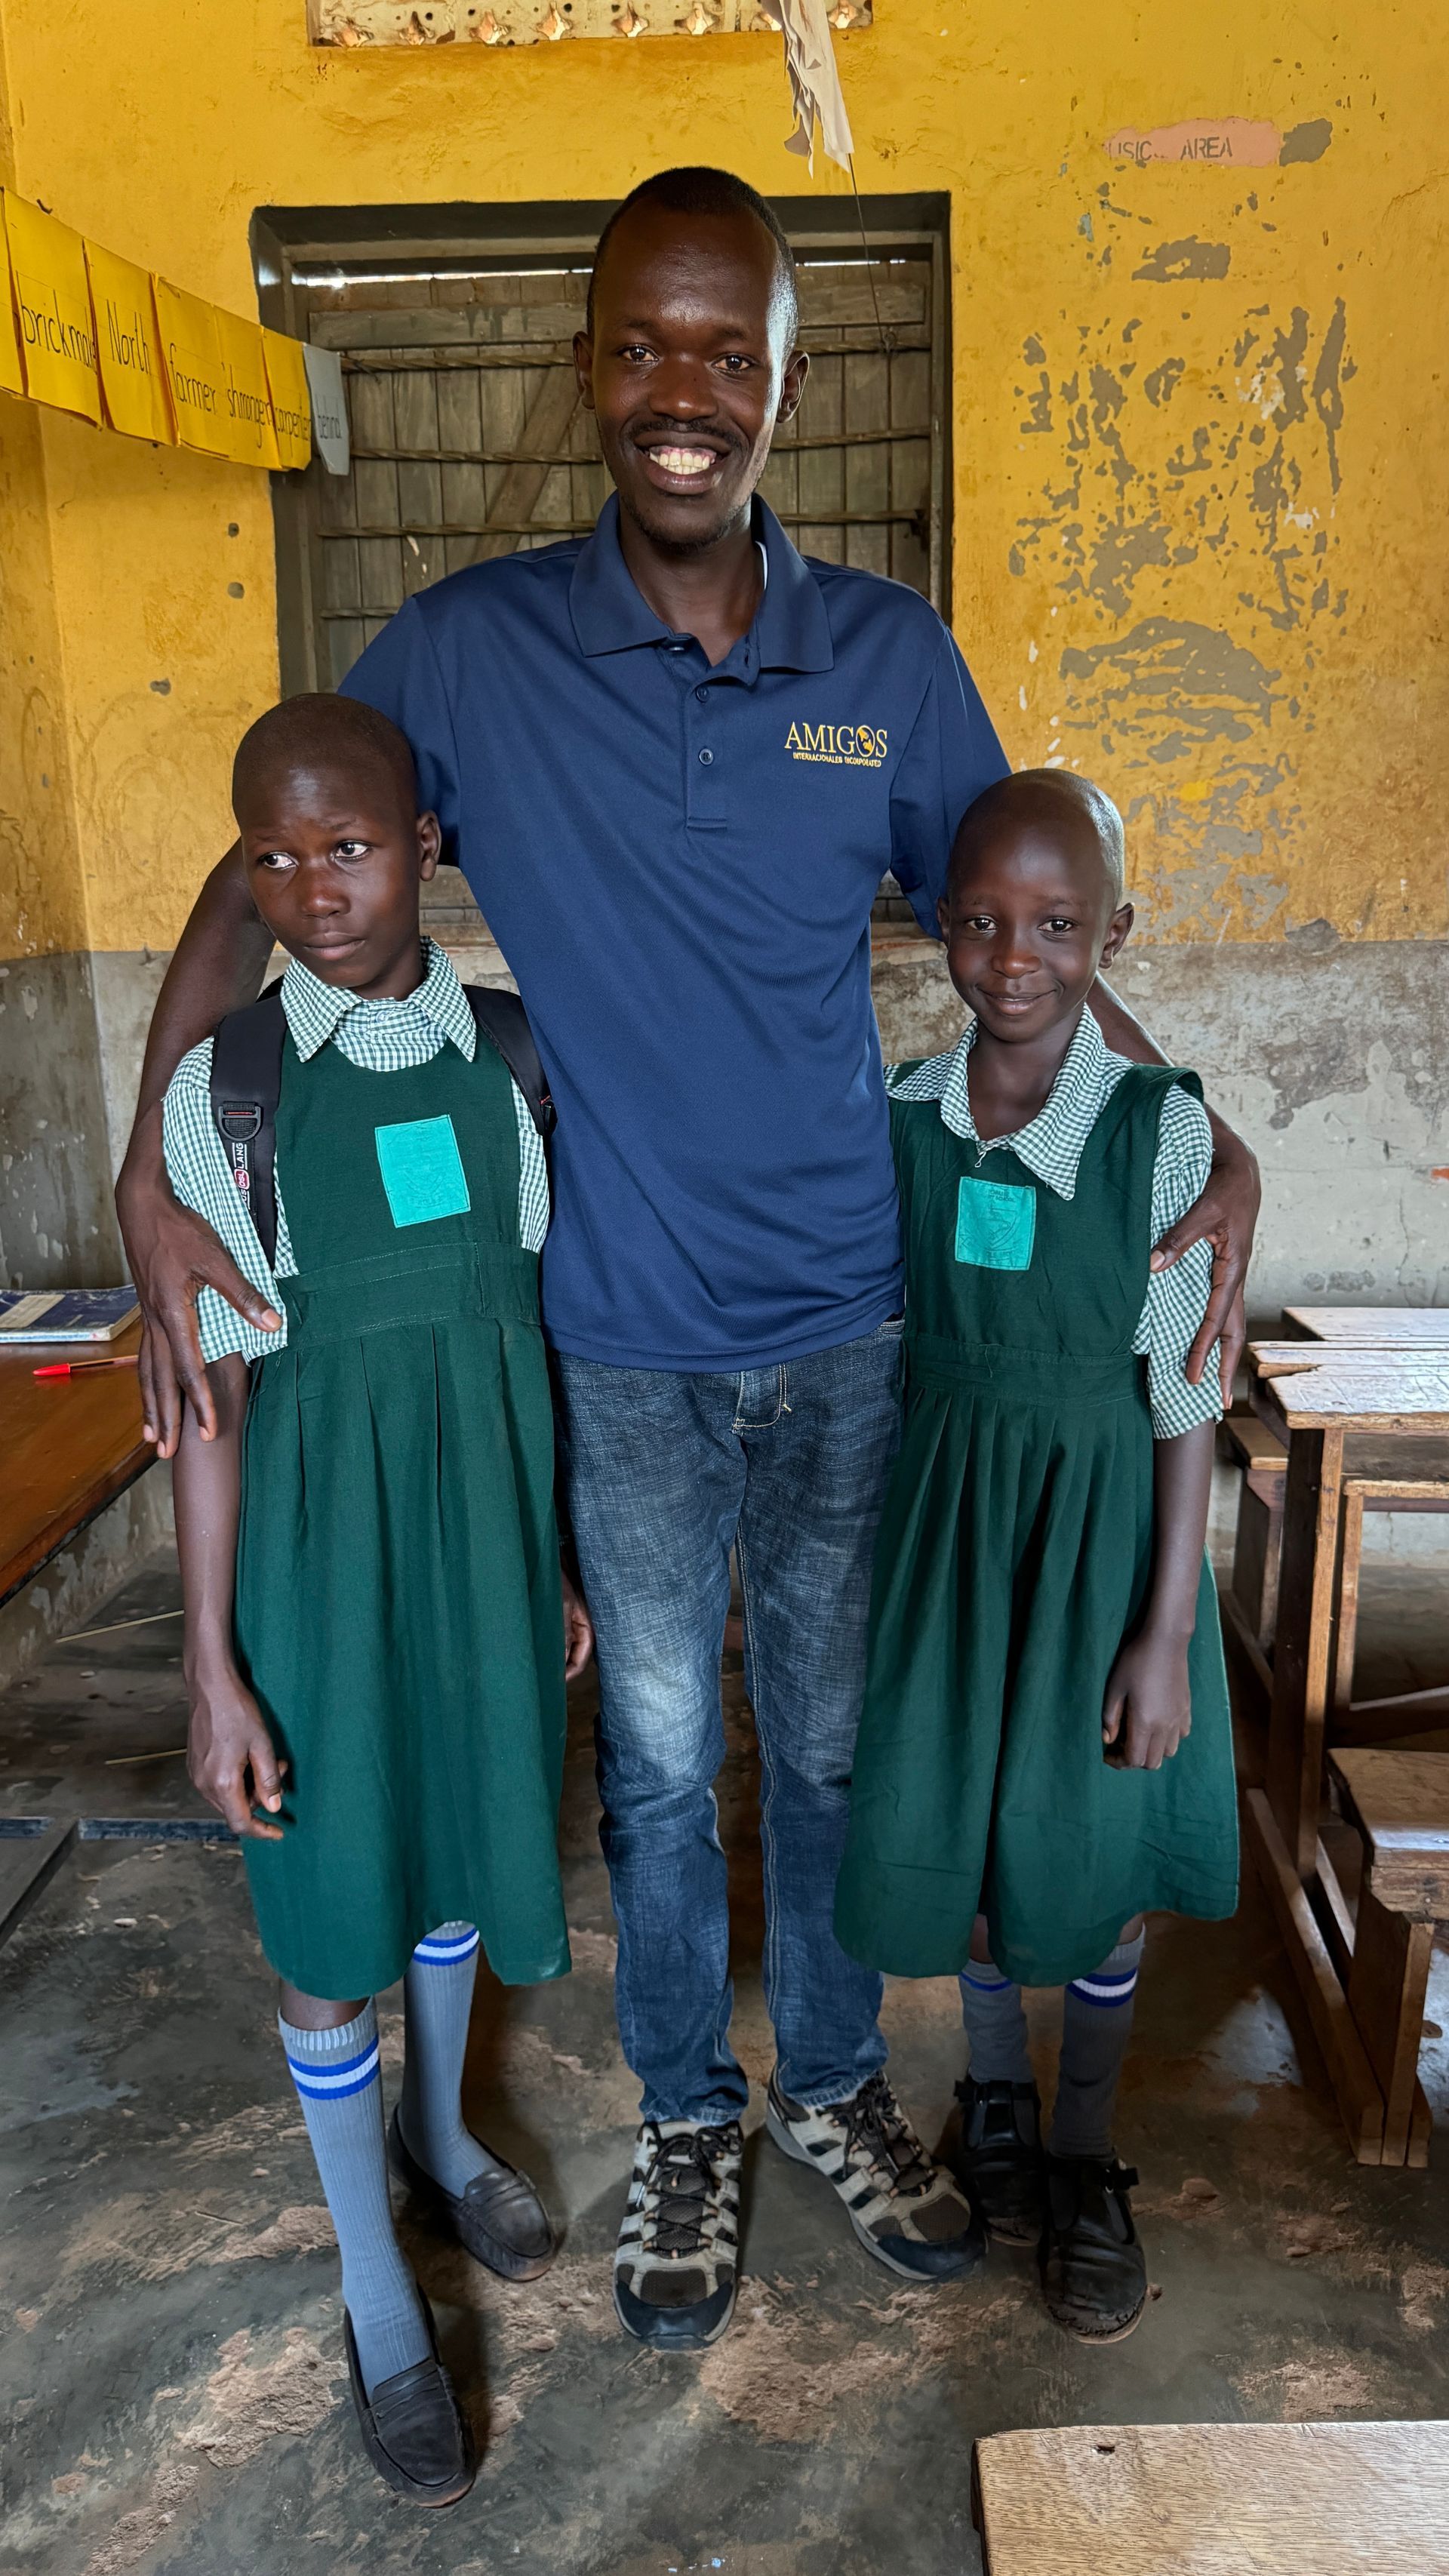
{"points": [[674, 2272], [906, 2210], [992, 2143], [1093, 2270]]}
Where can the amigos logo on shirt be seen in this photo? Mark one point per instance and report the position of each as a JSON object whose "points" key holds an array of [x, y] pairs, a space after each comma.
{"points": [[846, 746]]}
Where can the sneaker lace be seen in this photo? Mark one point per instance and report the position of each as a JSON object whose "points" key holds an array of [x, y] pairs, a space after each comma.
{"points": [[678, 2191], [876, 2125]]}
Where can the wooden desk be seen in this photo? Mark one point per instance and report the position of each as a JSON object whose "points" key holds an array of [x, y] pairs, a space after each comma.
{"points": [[69, 1446], [1315, 1396], [1403, 1328], [1215, 2500]]}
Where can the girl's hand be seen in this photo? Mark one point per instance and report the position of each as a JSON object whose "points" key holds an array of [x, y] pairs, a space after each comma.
{"points": [[578, 1628], [231, 1757], [1148, 1709]]}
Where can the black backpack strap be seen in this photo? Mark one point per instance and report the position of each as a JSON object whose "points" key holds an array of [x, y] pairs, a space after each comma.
{"points": [[246, 1085], [504, 1023]]}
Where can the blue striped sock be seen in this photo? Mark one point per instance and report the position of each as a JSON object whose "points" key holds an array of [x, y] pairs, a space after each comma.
{"points": [[337, 2080], [1096, 2026], [995, 2019], [438, 1997]]}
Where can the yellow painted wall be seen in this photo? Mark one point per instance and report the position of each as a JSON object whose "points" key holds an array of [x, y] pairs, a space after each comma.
{"points": [[1199, 518], [41, 901]]}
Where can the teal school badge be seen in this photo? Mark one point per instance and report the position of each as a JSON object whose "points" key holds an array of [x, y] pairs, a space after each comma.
{"points": [[995, 1225], [422, 1170]]}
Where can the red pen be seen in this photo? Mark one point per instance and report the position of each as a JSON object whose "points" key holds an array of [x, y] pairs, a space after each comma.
{"points": [[83, 1368]]}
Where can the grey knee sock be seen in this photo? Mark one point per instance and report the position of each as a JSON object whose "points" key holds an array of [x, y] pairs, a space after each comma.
{"points": [[336, 2075], [438, 1995], [991, 2008], [1096, 2025]]}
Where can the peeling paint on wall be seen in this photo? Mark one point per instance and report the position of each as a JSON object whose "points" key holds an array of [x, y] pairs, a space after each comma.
{"points": [[1163, 447]]}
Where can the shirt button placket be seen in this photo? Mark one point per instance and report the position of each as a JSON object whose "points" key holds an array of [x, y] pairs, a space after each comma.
{"points": [[702, 756]]}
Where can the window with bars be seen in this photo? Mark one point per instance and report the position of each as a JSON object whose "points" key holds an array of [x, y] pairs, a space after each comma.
{"points": [[468, 438]]}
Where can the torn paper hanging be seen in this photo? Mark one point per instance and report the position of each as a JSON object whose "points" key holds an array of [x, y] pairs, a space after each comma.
{"points": [[329, 407], [814, 80]]}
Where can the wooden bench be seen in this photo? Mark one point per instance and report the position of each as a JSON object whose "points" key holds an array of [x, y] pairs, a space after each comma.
{"points": [[1387, 1328], [1399, 1804], [1315, 1397], [70, 1446], [1215, 2500]]}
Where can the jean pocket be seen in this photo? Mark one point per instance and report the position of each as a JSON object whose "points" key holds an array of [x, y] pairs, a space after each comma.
{"points": [[892, 1329]]}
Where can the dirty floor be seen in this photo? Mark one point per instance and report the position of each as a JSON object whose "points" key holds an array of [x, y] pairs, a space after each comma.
{"points": [[170, 2359]]}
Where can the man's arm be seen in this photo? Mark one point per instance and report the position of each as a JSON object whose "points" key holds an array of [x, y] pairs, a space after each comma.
{"points": [[1224, 1216], [230, 1755], [218, 967]]}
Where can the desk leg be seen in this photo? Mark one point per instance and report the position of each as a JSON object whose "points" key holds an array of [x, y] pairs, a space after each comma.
{"points": [[1345, 1614], [1387, 1981], [1302, 1656]]}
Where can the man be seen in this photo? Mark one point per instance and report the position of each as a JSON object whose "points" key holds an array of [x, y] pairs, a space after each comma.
{"points": [[623, 741]]}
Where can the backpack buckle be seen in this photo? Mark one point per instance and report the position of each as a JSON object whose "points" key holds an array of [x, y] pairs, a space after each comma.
{"points": [[240, 1121]]}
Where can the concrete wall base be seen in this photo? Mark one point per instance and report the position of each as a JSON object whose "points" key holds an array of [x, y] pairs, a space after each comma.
{"points": [[71, 1588]]}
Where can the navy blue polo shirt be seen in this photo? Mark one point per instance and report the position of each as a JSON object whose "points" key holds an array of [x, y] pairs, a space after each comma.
{"points": [[678, 863]]}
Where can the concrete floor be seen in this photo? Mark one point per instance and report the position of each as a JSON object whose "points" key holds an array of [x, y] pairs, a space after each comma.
{"points": [[170, 2368]]}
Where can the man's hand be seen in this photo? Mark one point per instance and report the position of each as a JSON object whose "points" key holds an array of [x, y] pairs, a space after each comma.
{"points": [[578, 1628], [174, 1255], [231, 1757], [1225, 1217], [1148, 1708]]}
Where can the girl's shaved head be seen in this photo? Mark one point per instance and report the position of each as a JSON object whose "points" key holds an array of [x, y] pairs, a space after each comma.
{"points": [[1056, 799], [322, 732]]}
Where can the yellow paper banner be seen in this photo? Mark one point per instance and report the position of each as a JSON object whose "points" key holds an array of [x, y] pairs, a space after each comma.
{"points": [[11, 379], [53, 310], [133, 377], [291, 401], [249, 402], [191, 348]]}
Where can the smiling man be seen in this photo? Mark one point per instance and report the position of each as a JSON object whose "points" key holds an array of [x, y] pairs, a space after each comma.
{"points": [[674, 762]]}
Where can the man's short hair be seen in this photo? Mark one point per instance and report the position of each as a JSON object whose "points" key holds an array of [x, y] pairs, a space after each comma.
{"points": [[699, 190]]}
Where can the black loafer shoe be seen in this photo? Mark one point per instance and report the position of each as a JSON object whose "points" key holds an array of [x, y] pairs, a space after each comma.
{"points": [[1093, 2270], [992, 2143], [499, 2219], [413, 2429]]}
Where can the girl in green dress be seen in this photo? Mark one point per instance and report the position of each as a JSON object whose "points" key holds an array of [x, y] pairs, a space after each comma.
{"points": [[1045, 1751], [376, 1621]]}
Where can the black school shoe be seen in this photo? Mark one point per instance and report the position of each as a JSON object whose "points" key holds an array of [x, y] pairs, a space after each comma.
{"points": [[499, 2219], [413, 2429], [992, 2143], [1093, 2270]]}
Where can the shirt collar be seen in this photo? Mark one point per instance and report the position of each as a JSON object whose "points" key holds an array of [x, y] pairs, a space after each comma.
{"points": [[1051, 1144], [315, 1011], [791, 631]]}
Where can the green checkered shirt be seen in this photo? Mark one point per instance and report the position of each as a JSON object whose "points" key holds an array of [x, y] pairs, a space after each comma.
{"points": [[385, 1037], [1051, 1147]]}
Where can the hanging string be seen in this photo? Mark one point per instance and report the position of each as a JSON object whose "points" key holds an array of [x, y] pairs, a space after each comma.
{"points": [[869, 266]]}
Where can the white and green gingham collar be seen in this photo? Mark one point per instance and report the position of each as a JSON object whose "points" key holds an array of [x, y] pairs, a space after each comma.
{"points": [[1051, 1145], [315, 1011]]}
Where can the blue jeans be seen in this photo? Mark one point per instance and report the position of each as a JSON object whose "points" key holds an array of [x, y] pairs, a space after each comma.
{"points": [[664, 1473]]}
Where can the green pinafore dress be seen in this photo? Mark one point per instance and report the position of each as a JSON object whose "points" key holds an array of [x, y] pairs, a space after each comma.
{"points": [[1015, 1558], [398, 1610]]}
